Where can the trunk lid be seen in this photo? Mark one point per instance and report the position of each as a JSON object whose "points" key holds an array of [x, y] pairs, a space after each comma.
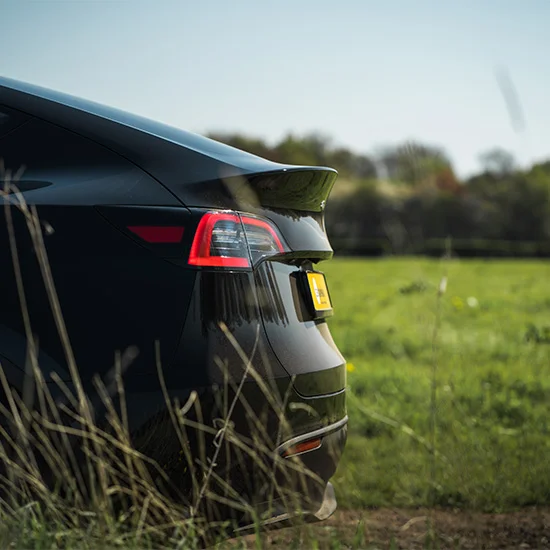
{"points": [[297, 332]]}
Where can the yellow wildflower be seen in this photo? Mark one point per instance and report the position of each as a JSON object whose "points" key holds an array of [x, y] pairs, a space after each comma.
{"points": [[457, 302], [350, 367]]}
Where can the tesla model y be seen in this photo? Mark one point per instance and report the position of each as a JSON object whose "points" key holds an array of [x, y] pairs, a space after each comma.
{"points": [[197, 269]]}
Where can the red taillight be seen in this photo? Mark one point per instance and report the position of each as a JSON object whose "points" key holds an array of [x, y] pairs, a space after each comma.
{"points": [[226, 239], [219, 242], [254, 229], [158, 234]]}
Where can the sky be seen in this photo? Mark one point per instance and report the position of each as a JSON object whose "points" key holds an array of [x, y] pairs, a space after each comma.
{"points": [[365, 73]]}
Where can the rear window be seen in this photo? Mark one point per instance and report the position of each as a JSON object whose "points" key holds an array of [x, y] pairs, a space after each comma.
{"points": [[10, 119]]}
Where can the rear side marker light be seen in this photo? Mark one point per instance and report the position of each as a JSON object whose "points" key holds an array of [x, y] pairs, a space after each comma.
{"points": [[225, 239], [303, 447], [158, 234]]}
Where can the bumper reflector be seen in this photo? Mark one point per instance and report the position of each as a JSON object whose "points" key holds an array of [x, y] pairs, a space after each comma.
{"points": [[158, 234], [302, 447]]}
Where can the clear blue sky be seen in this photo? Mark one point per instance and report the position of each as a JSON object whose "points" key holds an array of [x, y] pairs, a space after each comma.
{"points": [[365, 72]]}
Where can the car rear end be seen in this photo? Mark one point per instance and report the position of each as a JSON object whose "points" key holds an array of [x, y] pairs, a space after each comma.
{"points": [[217, 256], [268, 424], [260, 308]]}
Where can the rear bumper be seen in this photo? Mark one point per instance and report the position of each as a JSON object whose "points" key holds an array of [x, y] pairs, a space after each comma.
{"points": [[307, 497], [251, 481], [321, 433], [326, 508]]}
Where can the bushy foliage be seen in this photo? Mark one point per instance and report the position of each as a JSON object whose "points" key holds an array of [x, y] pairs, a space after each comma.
{"points": [[408, 199]]}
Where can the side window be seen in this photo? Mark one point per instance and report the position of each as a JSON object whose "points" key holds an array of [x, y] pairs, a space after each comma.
{"points": [[10, 119]]}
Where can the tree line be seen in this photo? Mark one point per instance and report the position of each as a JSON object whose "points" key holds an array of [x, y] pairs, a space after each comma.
{"points": [[407, 198]]}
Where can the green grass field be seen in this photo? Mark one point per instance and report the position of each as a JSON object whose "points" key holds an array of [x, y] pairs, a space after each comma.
{"points": [[490, 356]]}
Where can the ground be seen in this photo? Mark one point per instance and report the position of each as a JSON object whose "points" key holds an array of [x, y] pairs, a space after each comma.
{"points": [[414, 529]]}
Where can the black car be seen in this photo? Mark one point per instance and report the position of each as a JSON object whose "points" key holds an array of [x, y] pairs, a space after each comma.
{"points": [[193, 267]]}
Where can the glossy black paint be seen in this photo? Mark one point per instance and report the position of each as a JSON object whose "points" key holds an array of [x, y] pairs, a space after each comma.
{"points": [[11, 119], [91, 172], [78, 170]]}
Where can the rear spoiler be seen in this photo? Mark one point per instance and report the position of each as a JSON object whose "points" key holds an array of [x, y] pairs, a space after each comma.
{"points": [[293, 188]]}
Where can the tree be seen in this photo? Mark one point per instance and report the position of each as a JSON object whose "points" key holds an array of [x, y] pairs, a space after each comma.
{"points": [[497, 161], [256, 146], [351, 165], [295, 150], [413, 163]]}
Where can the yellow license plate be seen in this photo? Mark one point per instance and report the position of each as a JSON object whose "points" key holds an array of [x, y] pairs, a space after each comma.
{"points": [[319, 291]]}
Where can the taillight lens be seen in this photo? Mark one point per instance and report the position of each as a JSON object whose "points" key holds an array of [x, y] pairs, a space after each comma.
{"points": [[219, 242], [226, 239], [262, 238]]}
